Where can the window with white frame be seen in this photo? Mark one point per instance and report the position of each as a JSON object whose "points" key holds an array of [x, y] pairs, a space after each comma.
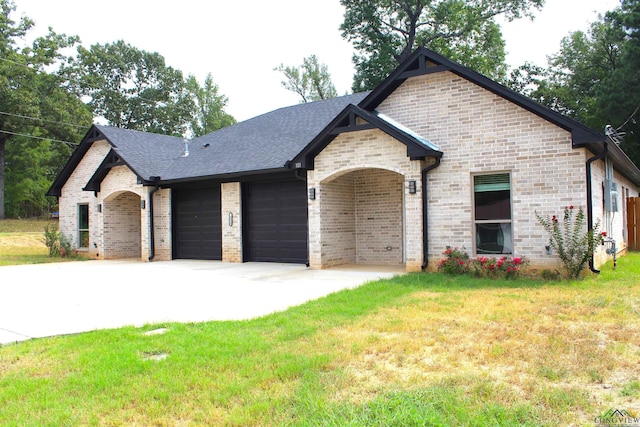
{"points": [[492, 214], [83, 226]]}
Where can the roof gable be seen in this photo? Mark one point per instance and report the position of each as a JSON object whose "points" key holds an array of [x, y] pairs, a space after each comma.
{"points": [[111, 160], [424, 61], [93, 134], [353, 119], [142, 152]]}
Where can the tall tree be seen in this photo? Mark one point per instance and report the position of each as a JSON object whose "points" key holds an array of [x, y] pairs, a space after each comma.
{"points": [[133, 89], [34, 102], [570, 82], [311, 80], [594, 77], [618, 98], [385, 32], [209, 114]]}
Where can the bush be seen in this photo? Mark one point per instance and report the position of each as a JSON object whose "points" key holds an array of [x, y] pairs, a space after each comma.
{"points": [[457, 262], [570, 239], [52, 240], [57, 243], [506, 267]]}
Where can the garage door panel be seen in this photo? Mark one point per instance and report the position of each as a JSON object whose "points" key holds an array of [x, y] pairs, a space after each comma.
{"points": [[275, 218], [197, 223]]}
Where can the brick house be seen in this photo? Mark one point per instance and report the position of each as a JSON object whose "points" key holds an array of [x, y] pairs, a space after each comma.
{"points": [[437, 155]]}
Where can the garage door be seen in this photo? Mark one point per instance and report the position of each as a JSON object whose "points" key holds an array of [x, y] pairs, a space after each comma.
{"points": [[197, 229], [275, 221]]}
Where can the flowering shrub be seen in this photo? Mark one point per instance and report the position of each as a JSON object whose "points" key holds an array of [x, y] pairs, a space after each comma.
{"points": [[507, 267], [570, 239], [457, 261]]}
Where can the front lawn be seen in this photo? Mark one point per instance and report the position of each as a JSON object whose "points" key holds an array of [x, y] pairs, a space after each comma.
{"points": [[22, 242], [420, 349]]}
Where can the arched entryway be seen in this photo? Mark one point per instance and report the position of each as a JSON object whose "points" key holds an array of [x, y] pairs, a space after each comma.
{"points": [[122, 226], [362, 218]]}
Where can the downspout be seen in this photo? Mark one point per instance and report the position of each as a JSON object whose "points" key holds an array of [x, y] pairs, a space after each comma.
{"points": [[600, 156], [425, 210], [152, 246], [304, 179]]}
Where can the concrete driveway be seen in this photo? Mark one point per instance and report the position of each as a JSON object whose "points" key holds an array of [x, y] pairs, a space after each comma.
{"points": [[65, 298]]}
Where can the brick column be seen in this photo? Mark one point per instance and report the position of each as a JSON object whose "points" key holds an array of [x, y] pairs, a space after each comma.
{"points": [[231, 234]]}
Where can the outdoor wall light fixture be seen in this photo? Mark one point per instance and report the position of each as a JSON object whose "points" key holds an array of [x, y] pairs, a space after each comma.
{"points": [[99, 207], [312, 193], [142, 204], [412, 187], [230, 219]]}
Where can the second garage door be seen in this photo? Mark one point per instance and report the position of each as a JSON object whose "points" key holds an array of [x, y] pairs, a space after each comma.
{"points": [[197, 230], [275, 221]]}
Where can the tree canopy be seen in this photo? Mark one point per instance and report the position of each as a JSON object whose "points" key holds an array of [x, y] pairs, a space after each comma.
{"points": [[132, 88], [385, 32], [39, 117], [594, 76], [43, 113], [208, 114], [311, 80]]}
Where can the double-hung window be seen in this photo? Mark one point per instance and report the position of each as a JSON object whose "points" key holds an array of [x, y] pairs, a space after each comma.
{"points": [[83, 226], [492, 214]]}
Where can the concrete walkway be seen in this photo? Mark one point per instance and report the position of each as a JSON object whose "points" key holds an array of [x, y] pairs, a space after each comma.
{"points": [[65, 298]]}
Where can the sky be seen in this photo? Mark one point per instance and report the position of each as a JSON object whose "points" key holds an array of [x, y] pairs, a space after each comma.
{"points": [[241, 42]]}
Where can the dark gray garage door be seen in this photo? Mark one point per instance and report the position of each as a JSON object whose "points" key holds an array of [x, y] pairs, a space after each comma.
{"points": [[275, 221], [197, 230]]}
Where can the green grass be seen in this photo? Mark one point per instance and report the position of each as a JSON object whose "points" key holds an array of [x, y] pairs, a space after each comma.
{"points": [[25, 225], [419, 349], [22, 242]]}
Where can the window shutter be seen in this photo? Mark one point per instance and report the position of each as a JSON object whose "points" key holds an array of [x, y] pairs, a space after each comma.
{"points": [[497, 182]]}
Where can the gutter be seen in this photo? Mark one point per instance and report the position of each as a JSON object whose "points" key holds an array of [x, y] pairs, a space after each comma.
{"points": [[152, 246], [600, 156], [304, 179], [425, 222]]}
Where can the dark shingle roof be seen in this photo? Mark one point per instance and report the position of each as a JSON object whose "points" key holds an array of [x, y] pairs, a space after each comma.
{"points": [[260, 144], [265, 142], [147, 154]]}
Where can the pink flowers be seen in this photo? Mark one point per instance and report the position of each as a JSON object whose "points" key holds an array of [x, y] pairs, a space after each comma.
{"points": [[457, 261]]}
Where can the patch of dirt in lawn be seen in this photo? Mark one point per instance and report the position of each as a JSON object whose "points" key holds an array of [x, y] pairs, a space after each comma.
{"points": [[522, 341]]}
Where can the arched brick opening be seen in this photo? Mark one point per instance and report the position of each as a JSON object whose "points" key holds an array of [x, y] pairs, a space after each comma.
{"points": [[122, 226], [362, 218]]}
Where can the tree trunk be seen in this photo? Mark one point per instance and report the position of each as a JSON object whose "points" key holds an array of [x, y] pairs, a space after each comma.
{"points": [[3, 141]]}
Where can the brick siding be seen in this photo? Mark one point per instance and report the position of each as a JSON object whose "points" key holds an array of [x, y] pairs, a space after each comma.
{"points": [[121, 217]]}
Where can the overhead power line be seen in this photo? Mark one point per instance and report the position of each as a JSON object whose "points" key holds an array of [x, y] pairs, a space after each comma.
{"points": [[16, 63], [42, 120], [38, 137], [630, 117]]}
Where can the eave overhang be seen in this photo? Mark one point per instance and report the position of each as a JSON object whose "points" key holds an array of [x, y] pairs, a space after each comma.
{"points": [[354, 119]]}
